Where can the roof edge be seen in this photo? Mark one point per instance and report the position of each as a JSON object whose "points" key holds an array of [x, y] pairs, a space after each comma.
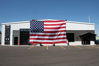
{"points": [[41, 20]]}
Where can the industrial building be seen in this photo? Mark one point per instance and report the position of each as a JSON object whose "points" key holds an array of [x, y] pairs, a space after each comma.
{"points": [[77, 33]]}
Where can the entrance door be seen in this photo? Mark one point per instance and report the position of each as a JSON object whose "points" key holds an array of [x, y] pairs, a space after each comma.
{"points": [[7, 34], [15, 40]]}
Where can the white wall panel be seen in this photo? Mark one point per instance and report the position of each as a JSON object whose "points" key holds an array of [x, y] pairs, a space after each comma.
{"points": [[20, 26], [79, 26]]}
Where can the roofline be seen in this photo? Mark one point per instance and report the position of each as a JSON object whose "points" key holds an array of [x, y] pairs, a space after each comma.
{"points": [[15, 22], [44, 19], [81, 22]]}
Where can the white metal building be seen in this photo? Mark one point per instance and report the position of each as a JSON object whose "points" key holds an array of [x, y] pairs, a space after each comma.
{"points": [[14, 31]]}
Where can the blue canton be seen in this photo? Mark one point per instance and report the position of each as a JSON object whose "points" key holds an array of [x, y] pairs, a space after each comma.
{"points": [[37, 26]]}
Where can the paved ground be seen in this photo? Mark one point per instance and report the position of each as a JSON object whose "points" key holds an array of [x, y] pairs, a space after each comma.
{"points": [[51, 56]]}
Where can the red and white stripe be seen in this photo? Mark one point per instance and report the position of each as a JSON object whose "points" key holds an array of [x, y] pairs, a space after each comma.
{"points": [[54, 33]]}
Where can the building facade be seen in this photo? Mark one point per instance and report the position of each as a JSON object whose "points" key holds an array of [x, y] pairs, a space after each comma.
{"points": [[14, 33]]}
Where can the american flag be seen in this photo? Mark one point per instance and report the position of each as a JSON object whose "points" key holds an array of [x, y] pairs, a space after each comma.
{"points": [[48, 32]]}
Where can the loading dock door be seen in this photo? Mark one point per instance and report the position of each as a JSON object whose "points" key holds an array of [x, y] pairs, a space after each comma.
{"points": [[86, 38], [24, 36]]}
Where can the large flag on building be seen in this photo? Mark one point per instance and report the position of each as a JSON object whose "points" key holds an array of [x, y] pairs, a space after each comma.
{"points": [[48, 32]]}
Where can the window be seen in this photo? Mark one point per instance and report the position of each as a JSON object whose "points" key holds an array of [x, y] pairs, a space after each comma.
{"points": [[70, 37]]}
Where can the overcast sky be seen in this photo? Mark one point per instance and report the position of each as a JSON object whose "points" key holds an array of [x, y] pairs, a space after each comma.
{"points": [[73, 10]]}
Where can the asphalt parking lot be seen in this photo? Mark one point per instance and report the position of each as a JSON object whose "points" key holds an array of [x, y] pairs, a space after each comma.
{"points": [[49, 56]]}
